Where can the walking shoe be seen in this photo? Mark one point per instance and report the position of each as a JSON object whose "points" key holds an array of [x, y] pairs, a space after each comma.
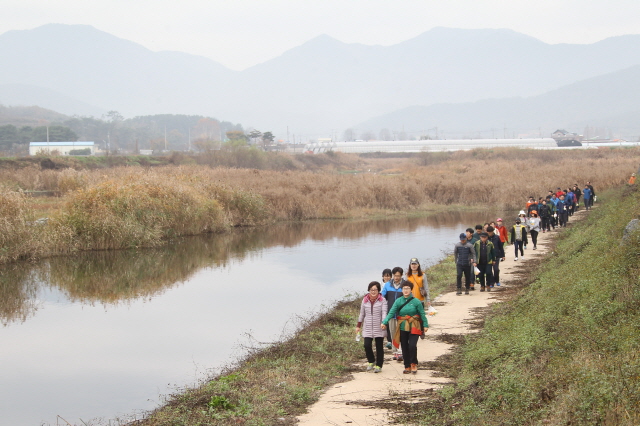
{"points": [[488, 288], [498, 284], [400, 358], [370, 366], [466, 292], [482, 289], [458, 292], [471, 287], [414, 368], [377, 369], [515, 258], [395, 357], [388, 346], [534, 247], [407, 371]]}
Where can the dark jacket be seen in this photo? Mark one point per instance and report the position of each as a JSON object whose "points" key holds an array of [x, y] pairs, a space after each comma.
{"points": [[545, 211], [491, 252], [498, 246], [463, 254], [562, 207]]}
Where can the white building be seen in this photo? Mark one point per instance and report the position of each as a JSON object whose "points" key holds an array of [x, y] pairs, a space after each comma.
{"points": [[62, 148], [428, 145]]}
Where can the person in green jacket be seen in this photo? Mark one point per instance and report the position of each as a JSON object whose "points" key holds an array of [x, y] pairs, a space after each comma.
{"points": [[485, 257], [412, 323]]}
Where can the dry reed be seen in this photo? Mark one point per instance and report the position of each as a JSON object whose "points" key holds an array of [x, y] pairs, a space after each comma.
{"points": [[124, 207]]}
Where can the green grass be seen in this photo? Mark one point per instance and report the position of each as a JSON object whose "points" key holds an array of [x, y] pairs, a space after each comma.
{"points": [[282, 380], [566, 350]]}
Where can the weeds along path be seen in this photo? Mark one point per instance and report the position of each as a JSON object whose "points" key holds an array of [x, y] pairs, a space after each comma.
{"points": [[372, 399]]}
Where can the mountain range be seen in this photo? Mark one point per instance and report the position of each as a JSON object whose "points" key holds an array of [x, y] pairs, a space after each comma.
{"points": [[325, 85]]}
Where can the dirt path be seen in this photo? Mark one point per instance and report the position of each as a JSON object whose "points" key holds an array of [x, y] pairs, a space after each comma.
{"points": [[337, 405]]}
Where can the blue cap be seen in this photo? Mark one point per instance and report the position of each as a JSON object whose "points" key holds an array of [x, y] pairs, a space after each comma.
{"points": [[463, 236]]}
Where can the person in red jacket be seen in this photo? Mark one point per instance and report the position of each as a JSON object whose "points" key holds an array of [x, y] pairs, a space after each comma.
{"points": [[502, 231]]}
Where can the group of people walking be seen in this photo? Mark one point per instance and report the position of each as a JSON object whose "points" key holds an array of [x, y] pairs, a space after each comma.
{"points": [[396, 309]]}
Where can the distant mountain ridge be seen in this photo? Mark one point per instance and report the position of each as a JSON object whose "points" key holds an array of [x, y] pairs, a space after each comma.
{"points": [[314, 88], [609, 100]]}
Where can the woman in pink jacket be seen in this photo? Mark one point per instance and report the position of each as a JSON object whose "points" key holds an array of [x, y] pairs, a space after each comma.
{"points": [[372, 311]]}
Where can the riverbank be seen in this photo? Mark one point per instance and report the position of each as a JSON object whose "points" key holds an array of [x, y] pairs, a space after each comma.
{"points": [[561, 347], [130, 207], [276, 383]]}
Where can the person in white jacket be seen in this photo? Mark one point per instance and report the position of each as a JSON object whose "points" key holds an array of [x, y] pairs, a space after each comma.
{"points": [[372, 311]]}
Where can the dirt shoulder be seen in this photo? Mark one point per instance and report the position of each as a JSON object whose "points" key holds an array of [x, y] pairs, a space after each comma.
{"points": [[373, 399]]}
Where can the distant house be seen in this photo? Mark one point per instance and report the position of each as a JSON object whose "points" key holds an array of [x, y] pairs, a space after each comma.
{"points": [[62, 148], [564, 138]]}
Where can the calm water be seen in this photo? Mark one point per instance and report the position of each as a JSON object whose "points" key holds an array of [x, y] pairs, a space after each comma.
{"points": [[105, 334]]}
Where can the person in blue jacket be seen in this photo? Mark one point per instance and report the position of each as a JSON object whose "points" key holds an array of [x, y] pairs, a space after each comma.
{"points": [[392, 291], [586, 195]]}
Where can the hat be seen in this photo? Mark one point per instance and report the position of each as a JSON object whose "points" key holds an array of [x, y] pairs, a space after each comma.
{"points": [[463, 236], [414, 260], [534, 212], [521, 212], [484, 234], [499, 219]]}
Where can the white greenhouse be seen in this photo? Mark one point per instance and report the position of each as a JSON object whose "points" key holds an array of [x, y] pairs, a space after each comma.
{"points": [[428, 145]]}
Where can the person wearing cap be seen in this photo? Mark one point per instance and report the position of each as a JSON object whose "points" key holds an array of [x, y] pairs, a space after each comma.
{"points": [[499, 251], [464, 257], [632, 179], [522, 216], [392, 291], [518, 237], [559, 192], [502, 231], [533, 225], [412, 323], [485, 257], [419, 280]]}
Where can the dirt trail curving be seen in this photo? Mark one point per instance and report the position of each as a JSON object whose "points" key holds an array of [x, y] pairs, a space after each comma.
{"points": [[339, 404]]}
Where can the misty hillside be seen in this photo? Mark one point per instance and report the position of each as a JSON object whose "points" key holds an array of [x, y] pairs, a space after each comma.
{"points": [[610, 100], [321, 85]]}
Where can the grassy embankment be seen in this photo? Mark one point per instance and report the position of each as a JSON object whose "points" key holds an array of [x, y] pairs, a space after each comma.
{"points": [[275, 384], [126, 207], [565, 350]]}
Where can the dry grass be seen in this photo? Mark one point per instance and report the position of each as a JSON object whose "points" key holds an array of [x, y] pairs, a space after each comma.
{"points": [[122, 207]]}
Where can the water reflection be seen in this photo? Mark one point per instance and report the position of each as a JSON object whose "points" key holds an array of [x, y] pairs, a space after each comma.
{"points": [[112, 277]]}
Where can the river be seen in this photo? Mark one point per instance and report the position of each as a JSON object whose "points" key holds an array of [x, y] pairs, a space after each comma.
{"points": [[106, 334]]}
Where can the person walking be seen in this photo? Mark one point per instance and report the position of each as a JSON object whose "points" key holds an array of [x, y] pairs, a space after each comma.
{"points": [[464, 257], [593, 194], [518, 237], [554, 210], [412, 323], [502, 231], [486, 255], [498, 246], [578, 195], [372, 311], [586, 194], [392, 291], [563, 212], [632, 179], [476, 234], [419, 280], [545, 216], [533, 224]]}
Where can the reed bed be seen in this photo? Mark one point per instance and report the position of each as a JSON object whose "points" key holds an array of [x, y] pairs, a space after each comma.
{"points": [[123, 207]]}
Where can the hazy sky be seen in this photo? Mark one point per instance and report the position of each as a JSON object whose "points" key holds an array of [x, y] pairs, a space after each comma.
{"points": [[241, 33]]}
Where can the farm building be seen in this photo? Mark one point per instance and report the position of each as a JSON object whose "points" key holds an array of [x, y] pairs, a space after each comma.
{"points": [[62, 148], [427, 145]]}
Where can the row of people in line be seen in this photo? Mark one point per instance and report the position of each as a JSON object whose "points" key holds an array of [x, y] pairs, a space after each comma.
{"points": [[396, 309]]}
